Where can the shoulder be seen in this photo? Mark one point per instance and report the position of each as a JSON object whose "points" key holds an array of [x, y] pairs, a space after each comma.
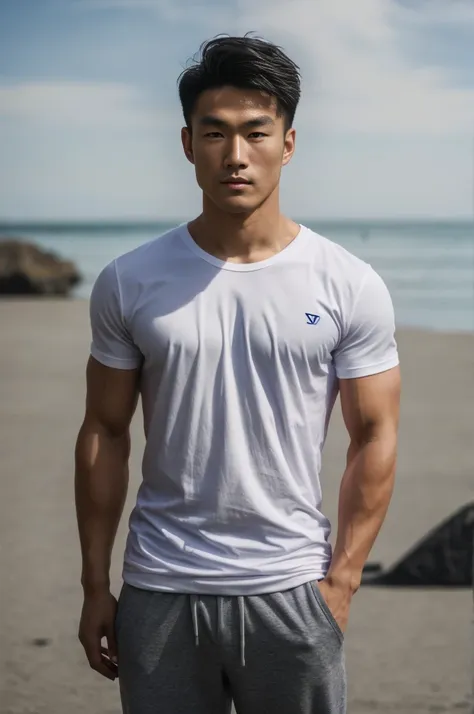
{"points": [[123, 280], [336, 260], [342, 277], [150, 256]]}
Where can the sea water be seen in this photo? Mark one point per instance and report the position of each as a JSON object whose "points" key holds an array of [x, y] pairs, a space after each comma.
{"points": [[427, 266]]}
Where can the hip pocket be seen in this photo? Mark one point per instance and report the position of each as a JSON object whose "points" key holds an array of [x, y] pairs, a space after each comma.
{"points": [[324, 607]]}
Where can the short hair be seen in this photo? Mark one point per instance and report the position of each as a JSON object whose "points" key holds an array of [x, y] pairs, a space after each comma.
{"points": [[243, 63]]}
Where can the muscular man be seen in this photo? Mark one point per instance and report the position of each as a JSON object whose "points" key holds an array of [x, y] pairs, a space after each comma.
{"points": [[238, 330]]}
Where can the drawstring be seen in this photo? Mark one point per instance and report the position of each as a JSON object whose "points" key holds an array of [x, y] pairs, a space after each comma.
{"points": [[241, 604], [194, 612], [220, 615], [195, 599]]}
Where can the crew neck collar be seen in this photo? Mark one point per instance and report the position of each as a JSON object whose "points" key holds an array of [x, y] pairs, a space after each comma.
{"points": [[282, 255]]}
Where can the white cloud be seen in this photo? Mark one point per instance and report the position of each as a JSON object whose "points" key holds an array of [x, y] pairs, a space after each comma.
{"points": [[76, 104], [358, 77], [381, 133], [354, 59]]}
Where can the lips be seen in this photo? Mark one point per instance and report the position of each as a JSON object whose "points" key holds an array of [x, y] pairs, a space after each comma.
{"points": [[237, 181]]}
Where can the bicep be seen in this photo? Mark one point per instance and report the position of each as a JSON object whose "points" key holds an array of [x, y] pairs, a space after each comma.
{"points": [[370, 405], [112, 396]]}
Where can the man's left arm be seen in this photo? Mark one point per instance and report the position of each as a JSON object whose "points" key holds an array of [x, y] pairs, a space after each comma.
{"points": [[370, 406], [370, 387]]}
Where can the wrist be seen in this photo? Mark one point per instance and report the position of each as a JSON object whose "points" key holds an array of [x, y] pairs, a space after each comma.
{"points": [[344, 578], [93, 588]]}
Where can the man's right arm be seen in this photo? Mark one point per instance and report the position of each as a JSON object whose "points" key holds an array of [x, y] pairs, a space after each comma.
{"points": [[101, 476], [101, 482]]}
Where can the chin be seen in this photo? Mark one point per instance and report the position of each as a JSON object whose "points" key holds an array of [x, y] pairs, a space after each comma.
{"points": [[237, 205], [237, 210]]}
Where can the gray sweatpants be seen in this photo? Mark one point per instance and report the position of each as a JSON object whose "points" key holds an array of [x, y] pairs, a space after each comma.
{"points": [[271, 654]]}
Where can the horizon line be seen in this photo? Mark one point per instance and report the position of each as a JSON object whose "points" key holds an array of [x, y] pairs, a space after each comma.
{"points": [[113, 222]]}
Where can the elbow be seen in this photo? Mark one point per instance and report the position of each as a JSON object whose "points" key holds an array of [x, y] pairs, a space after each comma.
{"points": [[95, 438], [380, 431], [384, 440], [109, 428]]}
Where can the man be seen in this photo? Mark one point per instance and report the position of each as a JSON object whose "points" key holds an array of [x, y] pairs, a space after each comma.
{"points": [[238, 330]]}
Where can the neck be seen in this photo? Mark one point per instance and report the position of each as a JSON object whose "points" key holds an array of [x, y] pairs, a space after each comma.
{"points": [[243, 237]]}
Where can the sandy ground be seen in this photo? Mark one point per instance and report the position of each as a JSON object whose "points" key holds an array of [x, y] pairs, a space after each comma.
{"points": [[407, 651]]}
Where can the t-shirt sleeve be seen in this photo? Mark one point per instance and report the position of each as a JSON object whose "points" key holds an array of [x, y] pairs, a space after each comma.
{"points": [[369, 345], [112, 344]]}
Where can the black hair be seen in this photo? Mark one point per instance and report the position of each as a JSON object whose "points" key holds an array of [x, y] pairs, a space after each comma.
{"points": [[243, 63]]}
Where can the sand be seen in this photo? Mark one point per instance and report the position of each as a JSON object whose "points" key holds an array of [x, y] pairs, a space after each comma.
{"points": [[407, 651]]}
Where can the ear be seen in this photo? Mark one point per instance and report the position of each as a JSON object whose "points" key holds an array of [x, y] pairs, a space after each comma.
{"points": [[289, 146], [187, 141]]}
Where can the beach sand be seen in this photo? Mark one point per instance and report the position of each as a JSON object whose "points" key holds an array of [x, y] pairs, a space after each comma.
{"points": [[407, 651]]}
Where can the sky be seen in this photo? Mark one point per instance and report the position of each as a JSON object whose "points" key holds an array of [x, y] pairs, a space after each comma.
{"points": [[90, 118]]}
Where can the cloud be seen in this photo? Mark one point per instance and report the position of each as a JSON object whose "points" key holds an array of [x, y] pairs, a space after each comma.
{"points": [[357, 74], [355, 60], [77, 104], [382, 129]]}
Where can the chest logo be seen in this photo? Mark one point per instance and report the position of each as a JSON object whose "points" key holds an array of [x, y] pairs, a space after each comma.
{"points": [[312, 319]]}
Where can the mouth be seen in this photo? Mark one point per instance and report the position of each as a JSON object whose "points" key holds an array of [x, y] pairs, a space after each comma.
{"points": [[236, 183]]}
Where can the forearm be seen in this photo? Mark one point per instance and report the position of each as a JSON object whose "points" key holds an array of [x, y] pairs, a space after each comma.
{"points": [[365, 494], [101, 482]]}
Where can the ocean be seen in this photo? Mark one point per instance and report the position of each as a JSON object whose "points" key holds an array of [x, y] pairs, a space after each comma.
{"points": [[428, 266]]}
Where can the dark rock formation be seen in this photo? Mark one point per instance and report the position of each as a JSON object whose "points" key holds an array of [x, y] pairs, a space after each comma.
{"points": [[26, 269], [443, 558]]}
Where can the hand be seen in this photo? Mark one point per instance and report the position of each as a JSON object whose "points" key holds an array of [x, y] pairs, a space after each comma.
{"points": [[338, 598], [97, 621]]}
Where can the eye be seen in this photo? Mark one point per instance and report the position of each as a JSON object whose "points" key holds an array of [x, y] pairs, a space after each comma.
{"points": [[257, 135], [213, 135]]}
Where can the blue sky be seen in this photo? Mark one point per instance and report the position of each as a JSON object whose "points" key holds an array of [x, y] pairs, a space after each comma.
{"points": [[90, 119]]}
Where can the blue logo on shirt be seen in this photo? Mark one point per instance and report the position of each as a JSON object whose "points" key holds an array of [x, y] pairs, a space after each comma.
{"points": [[312, 319]]}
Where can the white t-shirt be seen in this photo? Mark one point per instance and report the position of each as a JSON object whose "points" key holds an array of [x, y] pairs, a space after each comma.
{"points": [[240, 367]]}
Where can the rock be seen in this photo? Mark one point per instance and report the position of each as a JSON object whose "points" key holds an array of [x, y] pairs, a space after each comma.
{"points": [[26, 269]]}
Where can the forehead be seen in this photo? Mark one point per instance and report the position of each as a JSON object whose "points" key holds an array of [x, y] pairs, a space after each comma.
{"points": [[239, 104]]}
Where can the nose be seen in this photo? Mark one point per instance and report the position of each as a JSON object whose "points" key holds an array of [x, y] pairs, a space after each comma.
{"points": [[236, 157]]}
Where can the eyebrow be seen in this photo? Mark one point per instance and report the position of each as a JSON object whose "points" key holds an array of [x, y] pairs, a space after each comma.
{"points": [[261, 121]]}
